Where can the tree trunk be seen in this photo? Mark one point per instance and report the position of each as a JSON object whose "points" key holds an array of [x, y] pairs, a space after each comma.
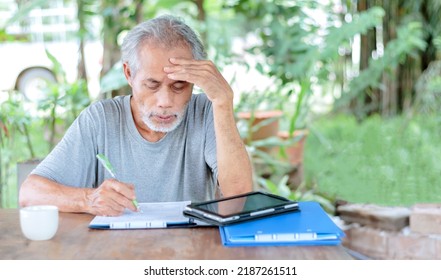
{"points": [[367, 46], [111, 51], [201, 18], [139, 11], [81, 66], [430, 14], [389, 96]]}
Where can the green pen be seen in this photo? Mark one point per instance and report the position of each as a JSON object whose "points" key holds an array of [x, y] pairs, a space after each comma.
{"points": [[108, 166]]}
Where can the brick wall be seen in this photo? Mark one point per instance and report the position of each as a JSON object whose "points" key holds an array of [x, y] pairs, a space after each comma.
{"points": [[393, 233]]}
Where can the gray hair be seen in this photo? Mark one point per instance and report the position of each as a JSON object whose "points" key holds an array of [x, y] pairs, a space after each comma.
{"points": [[167, 31]]}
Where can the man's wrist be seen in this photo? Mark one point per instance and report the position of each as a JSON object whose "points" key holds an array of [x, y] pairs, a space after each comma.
{"points": [[86, 202], [225, 105]]}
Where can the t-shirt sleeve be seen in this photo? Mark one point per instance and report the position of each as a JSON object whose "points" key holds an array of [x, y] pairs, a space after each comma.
{"points": [[72, 162], [210, 142]]}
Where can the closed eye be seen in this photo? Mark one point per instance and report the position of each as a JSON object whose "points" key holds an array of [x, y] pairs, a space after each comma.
{"points": [[152, 85], [179, 86]]}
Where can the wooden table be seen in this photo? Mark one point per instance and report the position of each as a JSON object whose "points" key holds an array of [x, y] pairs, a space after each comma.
{"points": [[74, 240]]}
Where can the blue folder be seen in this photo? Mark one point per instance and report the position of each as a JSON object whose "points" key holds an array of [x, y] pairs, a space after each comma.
{"points": [[309, 226]]}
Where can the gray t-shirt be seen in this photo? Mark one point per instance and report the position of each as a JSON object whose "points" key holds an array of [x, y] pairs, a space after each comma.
{"points": [[180, 166]]}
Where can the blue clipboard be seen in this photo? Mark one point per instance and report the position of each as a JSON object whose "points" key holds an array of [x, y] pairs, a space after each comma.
{"points": [[309, 226]]}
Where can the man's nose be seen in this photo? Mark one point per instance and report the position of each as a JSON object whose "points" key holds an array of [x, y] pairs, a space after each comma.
{"points": [[164, 98]]}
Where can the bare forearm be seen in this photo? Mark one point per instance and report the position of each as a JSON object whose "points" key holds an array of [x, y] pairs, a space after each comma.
{"points": [[234, 167], [37, 190]]}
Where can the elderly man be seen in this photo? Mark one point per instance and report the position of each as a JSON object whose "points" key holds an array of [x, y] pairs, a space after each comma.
{"points": [[165, 143]]}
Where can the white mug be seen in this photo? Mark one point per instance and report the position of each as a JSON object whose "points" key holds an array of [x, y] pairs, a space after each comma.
{"points": [[39, 222]]}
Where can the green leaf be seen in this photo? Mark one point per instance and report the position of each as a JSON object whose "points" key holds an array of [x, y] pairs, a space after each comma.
{"points": [[361, 23], [114, 79]]}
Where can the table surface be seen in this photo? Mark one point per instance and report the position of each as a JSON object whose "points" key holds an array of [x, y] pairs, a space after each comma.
{"points": [[75, 241]]}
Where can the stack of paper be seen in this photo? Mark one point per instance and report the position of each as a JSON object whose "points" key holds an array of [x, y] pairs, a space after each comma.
{"points": [[153, 215], [309, 226]]}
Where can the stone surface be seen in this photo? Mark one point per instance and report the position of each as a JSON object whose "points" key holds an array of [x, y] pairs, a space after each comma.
{"points": [[368, 234], [426, 218], [387, 218], [367, 241], [411, 247], [392, 245]]}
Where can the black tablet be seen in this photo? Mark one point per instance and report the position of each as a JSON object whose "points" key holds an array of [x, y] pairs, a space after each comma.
{"points": [[239, 208]]}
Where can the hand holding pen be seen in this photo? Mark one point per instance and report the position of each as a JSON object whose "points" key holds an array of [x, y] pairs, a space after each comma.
{"points": [[108, 166]]}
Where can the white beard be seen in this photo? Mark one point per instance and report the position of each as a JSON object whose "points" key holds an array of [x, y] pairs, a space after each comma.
{"points": [[146, 116]]}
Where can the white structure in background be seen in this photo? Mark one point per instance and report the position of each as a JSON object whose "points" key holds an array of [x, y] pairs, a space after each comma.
{"points": [[25, 65]]}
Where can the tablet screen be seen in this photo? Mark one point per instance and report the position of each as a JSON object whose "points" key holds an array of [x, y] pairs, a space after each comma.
{"points": [[243, 204]]}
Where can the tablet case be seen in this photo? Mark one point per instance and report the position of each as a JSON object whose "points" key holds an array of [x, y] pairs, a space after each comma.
{"points": [[199, 218], [309, 226], [258, 214]]}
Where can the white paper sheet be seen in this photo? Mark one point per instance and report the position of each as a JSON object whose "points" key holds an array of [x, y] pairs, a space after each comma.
{"points": [[153, 215]]}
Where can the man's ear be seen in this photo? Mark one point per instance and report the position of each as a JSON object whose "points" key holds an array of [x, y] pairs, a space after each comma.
{"points": [[127, 73]]}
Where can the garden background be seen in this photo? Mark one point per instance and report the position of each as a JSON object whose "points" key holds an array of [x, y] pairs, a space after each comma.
{"points": [[360, 79]]}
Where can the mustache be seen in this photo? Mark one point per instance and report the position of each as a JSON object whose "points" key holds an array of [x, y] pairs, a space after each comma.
{"points": [[163, 114]]}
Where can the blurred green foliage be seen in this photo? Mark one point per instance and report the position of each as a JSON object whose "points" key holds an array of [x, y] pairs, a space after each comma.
{"points": [[391, 162], [29, 131], [304, 55], [21, 138]]}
